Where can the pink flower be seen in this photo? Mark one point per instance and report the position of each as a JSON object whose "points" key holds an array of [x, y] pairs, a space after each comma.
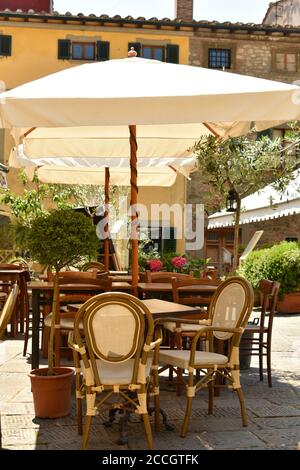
{"points": [[178, 262], [155, 265]]}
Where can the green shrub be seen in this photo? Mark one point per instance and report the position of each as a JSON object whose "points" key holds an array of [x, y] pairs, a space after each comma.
{"points": [[61, 238], [279, 263]]}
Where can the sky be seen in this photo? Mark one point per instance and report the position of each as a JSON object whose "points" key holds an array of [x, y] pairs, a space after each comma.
{"points": [[246, 11]]}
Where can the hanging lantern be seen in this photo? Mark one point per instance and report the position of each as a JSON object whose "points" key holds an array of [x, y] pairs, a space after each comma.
{"points": [[231, 201]]}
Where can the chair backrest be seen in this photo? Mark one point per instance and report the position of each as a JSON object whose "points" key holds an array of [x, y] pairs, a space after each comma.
{"points": [[116, 328], [231, 306], [75, 277], [210, 273], [166, 276], [93, 266], [8, 308], [269, 295], [194, 297], [20, 262], [11, 266]]}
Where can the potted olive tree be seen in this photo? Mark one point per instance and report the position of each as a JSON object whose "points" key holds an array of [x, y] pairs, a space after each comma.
{"points": [[57, 239]]}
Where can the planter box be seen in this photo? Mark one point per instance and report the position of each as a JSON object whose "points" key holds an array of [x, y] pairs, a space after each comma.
{"points": [[289, 304]]}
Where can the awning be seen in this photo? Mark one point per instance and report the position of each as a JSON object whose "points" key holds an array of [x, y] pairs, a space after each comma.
{"points": [[263, 205]]}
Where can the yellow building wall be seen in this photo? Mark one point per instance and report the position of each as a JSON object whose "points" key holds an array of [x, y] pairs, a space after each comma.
{"points": [[35, 47], [34, 55]]}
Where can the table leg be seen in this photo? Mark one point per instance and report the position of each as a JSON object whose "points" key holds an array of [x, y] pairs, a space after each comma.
{"points": [[35, 328]]}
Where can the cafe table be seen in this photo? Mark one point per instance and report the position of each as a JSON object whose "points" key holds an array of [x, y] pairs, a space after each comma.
{"points": [[42, 293], [148, 289], [161, 308]]}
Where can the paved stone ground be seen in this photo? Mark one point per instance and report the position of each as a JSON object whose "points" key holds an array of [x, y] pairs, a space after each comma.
{"points": [[274, 413]]}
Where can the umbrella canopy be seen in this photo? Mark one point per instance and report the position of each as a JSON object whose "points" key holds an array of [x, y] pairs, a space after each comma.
{"points": [[108, 145], [89, 171], [139, 91], [131, 92]]}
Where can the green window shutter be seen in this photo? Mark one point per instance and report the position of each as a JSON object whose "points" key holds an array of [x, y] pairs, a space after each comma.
{"points": [[137, 47], [102, 51], [64, 49], [5, 45], [172, 54]]}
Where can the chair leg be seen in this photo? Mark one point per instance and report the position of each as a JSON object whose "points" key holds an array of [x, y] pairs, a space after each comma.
{"points": [[187, 417], [243, 406], [156, 401], [179, 382], [269, 365], [261, 374], [79, 416], [26, 336], [210, 397], [86, 434], [148, 431], [57, 347], [188, 411], [45, 341]]}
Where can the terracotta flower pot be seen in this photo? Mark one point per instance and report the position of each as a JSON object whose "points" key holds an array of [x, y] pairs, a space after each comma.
{"points": [[52, 394], [289, 304]]}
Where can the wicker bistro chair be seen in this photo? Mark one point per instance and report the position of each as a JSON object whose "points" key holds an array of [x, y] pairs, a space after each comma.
{"points": [[112, 340], [179, 333], [259, 342], [93, 266], [229, 312], [65, 319]]}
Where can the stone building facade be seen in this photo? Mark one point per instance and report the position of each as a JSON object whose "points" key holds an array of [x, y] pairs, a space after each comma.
{"points": [[266, 51]]}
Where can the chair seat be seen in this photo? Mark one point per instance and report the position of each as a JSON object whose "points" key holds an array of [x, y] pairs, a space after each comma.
{"points": [[181, 358], [117, 374], [256, 329], [171, 326], [66, 321]]}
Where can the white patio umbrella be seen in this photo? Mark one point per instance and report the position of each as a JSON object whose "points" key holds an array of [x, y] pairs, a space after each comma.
{"points": [[133, 92], [87, 171]]}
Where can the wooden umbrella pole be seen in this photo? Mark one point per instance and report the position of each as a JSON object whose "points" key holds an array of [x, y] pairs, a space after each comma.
{"points": [[134, 214], [106, 215]]}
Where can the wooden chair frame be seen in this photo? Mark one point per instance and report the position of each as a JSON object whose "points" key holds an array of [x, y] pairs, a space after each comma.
{"points": [[260, 345], [165, 276]]}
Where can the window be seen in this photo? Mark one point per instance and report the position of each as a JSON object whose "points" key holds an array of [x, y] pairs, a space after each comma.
{"points": [[168, 53], [219, 58], [213, 236], [5, 45], [68, 50], [153, 52], [83, 51], [229, 236], [286, 62]]}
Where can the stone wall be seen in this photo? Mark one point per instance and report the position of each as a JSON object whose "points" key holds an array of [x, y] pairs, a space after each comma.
{"points": [[275, 230], [251, 54]]}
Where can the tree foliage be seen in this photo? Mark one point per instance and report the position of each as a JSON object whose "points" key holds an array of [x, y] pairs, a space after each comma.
{"points": [[280, 263], [61, 238], [245, 165]]}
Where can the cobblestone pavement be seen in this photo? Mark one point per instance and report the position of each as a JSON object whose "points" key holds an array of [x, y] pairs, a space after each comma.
{"points": [[274, 413]]}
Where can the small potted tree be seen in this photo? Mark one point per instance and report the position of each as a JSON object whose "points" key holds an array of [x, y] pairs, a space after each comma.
{"points": [[57, 239]]}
